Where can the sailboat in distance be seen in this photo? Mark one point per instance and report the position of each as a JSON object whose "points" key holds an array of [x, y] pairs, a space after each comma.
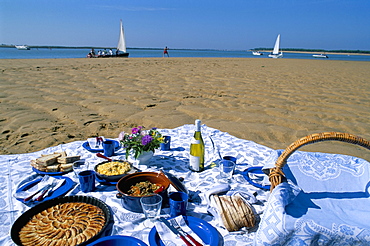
{"points": [[120, 51], [121, 47], [275, 53]]}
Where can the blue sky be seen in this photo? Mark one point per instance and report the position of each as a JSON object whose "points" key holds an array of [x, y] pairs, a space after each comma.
{"points": [[191, 24]]}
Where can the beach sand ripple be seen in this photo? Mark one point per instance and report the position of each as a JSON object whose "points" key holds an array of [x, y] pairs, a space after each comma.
{"points": [[46, 102]]}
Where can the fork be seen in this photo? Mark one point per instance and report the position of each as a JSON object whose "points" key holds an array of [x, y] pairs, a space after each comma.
{"points": [[178, 227], [45, 192], [44, 179]]}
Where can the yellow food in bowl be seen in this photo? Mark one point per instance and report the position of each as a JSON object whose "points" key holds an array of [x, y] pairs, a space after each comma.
{"points": [[113, 168]]}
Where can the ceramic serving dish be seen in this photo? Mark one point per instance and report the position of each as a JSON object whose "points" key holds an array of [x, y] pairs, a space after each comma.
{"points": [[113, 178], [132, 203]]}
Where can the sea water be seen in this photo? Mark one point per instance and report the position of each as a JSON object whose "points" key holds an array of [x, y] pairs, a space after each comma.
{"points": [[57, 53]]}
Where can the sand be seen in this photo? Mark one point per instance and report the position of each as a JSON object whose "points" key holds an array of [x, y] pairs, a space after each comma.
{"points": [[273, 102]]}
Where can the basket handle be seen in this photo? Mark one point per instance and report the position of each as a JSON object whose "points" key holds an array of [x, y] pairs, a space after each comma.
{"points": [[276, 174]]}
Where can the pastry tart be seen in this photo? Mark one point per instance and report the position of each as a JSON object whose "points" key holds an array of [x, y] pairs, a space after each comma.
{"points": [[70, 223]]}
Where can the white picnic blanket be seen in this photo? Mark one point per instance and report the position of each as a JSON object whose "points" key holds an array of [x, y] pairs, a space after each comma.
{"points": [[16, 168]]}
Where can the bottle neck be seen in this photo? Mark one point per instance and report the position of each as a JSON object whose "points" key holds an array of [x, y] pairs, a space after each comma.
{"points": [[197, 125]]}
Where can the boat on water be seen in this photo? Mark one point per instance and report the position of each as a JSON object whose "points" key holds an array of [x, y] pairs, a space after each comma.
{"points": [[120, 51], [320, 56], [22, 47], [257, 53], [275, 53]]}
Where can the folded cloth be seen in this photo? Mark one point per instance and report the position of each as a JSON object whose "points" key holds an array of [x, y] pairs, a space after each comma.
{"points": [[245, 195], [96, 143], [169, 238], [47, 180]]}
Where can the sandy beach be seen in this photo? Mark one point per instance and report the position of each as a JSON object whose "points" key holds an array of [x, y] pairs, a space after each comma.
{"points": [[273, 102]]}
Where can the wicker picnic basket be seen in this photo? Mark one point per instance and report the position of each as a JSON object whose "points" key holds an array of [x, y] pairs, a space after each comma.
{"points": [[276, 175]]}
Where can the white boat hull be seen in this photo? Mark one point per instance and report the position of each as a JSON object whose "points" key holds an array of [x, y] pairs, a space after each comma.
{"points": [[320, 56], [276, 55], [22, 47], [257, 53]]}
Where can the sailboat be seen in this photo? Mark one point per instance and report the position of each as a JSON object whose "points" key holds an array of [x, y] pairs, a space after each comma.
{"points": [[275, 53], [121, 47]]}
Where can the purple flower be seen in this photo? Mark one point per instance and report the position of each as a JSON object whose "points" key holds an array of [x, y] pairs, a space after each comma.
{"points": [[135, 130], [146, 139]]}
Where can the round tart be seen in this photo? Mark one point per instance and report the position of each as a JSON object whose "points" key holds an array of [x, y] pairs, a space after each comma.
{"points": [[64, 224]]}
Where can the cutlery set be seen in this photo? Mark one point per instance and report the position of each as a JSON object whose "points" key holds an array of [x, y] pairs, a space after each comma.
{"points": [[176, 229], [45, 190]]}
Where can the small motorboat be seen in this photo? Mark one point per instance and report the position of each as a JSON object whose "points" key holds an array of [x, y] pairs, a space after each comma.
{"points": [[22, 47], [320, 56], [257, 53]]}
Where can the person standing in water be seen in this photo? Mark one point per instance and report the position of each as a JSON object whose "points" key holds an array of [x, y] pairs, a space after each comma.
{"points": [[165, 52]]}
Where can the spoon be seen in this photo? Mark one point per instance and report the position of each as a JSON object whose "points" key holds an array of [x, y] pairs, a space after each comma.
{"points": [[103, 156]]}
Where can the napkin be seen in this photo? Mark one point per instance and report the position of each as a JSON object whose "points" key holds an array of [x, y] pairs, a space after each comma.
{"points": [[168, 238], [44, 182], [95, 144]]}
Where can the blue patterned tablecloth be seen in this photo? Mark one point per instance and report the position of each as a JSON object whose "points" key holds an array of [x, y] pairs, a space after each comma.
{"points": [[313, 184], [16, 168]]}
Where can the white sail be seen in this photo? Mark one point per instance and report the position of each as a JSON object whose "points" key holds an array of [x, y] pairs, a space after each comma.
{"points": [[121, 42], [277, 46], [275, 53]]}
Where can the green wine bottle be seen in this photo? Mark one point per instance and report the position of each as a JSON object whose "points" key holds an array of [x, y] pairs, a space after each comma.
{"points": [[197, 150]]}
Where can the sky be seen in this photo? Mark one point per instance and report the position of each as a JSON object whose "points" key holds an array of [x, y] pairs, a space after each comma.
{"points": [[188, 24]]}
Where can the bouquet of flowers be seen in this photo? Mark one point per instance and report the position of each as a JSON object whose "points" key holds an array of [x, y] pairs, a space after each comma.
{"points": [[140, 140]]}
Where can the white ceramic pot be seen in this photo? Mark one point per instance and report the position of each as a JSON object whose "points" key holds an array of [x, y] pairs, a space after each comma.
{"points": [[142, 159]]}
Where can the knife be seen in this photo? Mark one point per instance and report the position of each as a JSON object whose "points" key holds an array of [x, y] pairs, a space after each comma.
{"points": [[57, 186], [173, 229], [37, 192], [46, 188], [53, 187]]}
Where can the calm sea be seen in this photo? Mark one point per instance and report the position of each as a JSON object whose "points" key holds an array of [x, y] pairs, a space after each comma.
{"points": [[13, 53]]}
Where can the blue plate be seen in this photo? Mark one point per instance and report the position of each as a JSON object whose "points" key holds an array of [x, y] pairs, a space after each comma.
{"points": [[118, 241], [257, 170], [203, 229], [86, 145], [48, 173], [104, 181], [61, 191]]}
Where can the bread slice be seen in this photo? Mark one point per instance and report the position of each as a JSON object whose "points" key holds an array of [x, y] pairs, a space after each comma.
{"points": [[66, 167], [47, 160], [52, 169], [68, 159], [62, 154], [38, 167], [230, 212], [245, 211], [222, 213]]}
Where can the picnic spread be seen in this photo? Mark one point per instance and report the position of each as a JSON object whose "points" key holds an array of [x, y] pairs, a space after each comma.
{"points": [[323, 199]]}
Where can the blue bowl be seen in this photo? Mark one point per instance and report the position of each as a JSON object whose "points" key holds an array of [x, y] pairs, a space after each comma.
{"points": [[118, 241]]}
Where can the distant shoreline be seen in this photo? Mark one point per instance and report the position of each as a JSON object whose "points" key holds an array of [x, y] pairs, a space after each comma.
{"points": [[288, 50]]}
